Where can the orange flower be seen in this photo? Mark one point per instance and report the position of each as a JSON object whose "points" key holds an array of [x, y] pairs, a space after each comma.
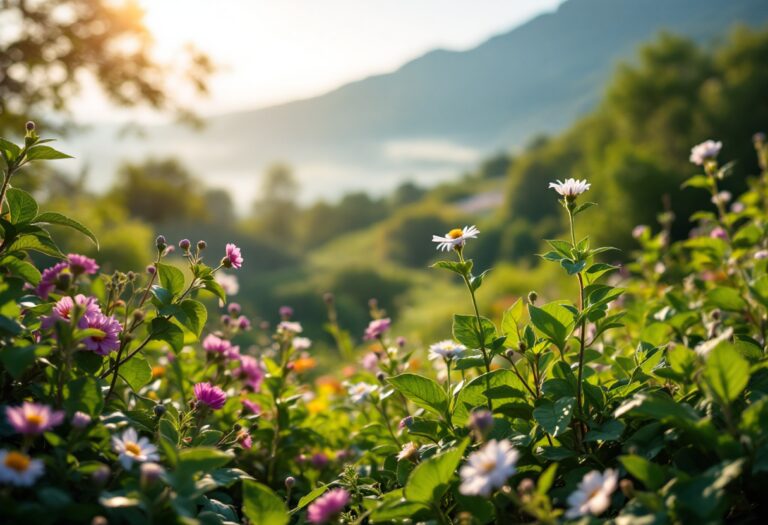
{"points": [[317, 405], [328, 385], [158, 371], [303, 364]]}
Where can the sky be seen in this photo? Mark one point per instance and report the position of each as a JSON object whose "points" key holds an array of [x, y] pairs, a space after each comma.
{"points": [[273, 51]]}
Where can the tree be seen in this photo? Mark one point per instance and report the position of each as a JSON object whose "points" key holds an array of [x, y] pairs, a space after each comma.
{"points": [[48, 45], [276, 208]]}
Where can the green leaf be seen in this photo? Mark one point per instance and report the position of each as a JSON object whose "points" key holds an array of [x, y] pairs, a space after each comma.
{"points": [[726, 298], [573, 267], [202, 459], [164, 330], [583, 207], [422, 391], [461, 268], [312, 496], [21, 205], [513, 316], [555, 417], [9, 150], [210, 284], [474, 395], [136, 372], [23, 269], [171, 278], [726, 372], [16, 359], [611, 430], [83, 394], [651, 475], [554, 321], [465, 331], [51, 217], [45, 153], [36, 243], [193, 316], [698, 181], [429, 480], [262, 506], [546, 479]]}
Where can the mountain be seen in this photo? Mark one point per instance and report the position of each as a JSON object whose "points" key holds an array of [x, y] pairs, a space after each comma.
{"points": [[438, 113]]}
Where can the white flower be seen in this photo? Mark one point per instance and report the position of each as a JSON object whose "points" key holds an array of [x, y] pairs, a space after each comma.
{"points": [[131, 448], [488, 468], [289, 326], [570, 188], [360, 391], [722, 197], [455, 238], [19, 469], [705, 151], [228, 282], [301, 343], [409, 451], [761, 254], [447, 349], [593, 494]]}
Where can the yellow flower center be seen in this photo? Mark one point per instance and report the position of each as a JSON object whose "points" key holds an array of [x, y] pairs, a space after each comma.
{"points": [[133, 448], [455, 233], [35, 419], [17, 461], [488, 466]]}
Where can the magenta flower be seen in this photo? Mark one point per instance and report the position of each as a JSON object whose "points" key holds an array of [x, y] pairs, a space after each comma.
{"points": [[32, 418], [217, 345], [252, 372], [286, 312], [243, 323], [110, 341], [252, 406], [210, 395], [245, 440], [376, 328], [327, 506], [79, 264], [62, 311], [719, 233], [233, 259], [319, 460], [50, 279]]}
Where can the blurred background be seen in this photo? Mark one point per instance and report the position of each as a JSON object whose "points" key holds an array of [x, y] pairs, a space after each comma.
{"points": [[331, 139]]}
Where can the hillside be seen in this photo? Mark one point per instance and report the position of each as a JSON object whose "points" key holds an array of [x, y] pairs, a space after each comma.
{"points": [[439, 113]]}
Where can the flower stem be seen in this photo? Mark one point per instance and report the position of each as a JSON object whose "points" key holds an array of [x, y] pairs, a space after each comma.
{"points": [[480, 331]]}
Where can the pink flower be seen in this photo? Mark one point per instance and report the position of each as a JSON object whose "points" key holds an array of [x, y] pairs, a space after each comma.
{"points": [[81, 264], [210, 395], [327, 506], [80, 420], [50, 279], [251, 370], [719, 233], [319, 460], [286, 312], [370, 362], [376, 328], [244, 438], [33, 418], [234, 258], [111, 327], [243, 323], [252, 406], [62, 311], [217, 345]]}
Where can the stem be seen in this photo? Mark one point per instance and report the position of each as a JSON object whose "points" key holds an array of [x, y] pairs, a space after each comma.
{"points": [[383, 411], [579, 388], [449, 392]]}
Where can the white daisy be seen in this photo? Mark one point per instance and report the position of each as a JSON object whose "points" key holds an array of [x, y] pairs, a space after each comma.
{"points": [[447, 349], [488, 468], [570, 188], [455, 238], [593, 494], [131, 448], [705, 151], [360, 391], [410, 451], [289, 326], [16, 468], [301, 343]]}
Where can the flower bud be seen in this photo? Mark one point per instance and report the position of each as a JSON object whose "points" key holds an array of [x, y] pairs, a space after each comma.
{"points": [[286, 312], [401, 341], [30, 126], [406, 422], [201, 245], [80, 420], [243, 323], [237, 427], [161, 243], [150, 472], [510, 354], [290, 481], [101, 475], [234, 309], [328, 298], [481, 421], [526, 486], [151, 269], [758, 138], [381, 377], [225, 320], [373, 303], [532, 297], [99, 520], [522, 347], [159, 410], [64, 281], [184, 244], [138, 315], [627, 488]]}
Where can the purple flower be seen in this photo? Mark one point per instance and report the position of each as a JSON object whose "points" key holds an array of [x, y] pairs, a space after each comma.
{"points": [[251, 370], [217, 345], [406, 422], [286, 312], [319, 460], [233, 259], [50, 279], [243, 323], [33, 418], [327, 506], [80, 420], [79, 264], [252, 406], [210, 395], [111, 327], [370, 362], [62, 311], [245, 440], [719, 233], [234, 308], [376, 328]]}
